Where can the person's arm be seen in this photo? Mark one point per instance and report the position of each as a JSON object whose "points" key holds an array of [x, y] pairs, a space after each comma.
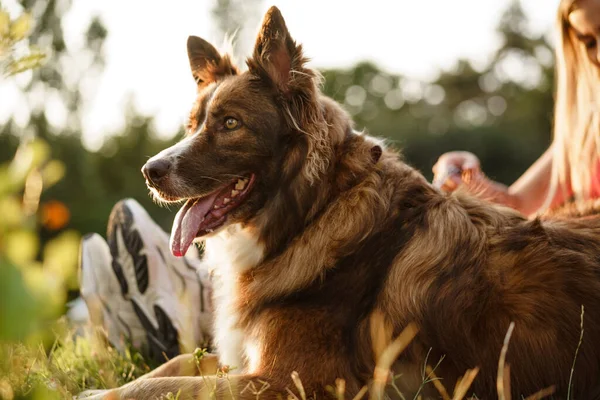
{"points": [[526, 195], [530, 191]]}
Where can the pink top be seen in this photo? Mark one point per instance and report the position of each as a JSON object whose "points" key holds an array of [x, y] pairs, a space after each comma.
{"points": [[595, 183], [594, 188]]}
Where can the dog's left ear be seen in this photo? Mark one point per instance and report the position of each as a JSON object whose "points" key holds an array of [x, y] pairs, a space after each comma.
{"points": [[276, 55]]}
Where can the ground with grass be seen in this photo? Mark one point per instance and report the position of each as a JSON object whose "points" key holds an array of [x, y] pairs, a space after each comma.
{"points": [[82, 359], [77, 360]]}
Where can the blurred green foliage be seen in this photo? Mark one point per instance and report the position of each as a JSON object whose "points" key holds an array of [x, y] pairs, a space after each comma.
{"points": [[33, 278], [11, 33]]}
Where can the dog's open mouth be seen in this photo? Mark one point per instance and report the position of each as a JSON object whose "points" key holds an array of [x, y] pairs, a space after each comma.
{"points": [[202, 215]]}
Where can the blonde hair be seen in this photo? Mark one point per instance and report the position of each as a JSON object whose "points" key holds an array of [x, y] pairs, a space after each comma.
{"points": [[576, 145]]}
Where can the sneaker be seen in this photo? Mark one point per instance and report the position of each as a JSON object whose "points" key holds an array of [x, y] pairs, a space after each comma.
{"points": [[168, 299], [100, 289]]}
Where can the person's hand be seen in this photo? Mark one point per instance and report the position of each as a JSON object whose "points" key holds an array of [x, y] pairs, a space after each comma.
{"points": [[452, 168]]}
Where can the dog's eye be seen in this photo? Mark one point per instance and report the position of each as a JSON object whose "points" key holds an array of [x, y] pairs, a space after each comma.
{"points": [[231, 123]]}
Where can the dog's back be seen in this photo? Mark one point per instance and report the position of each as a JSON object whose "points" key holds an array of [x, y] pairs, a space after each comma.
{"points": [[487, 267]]}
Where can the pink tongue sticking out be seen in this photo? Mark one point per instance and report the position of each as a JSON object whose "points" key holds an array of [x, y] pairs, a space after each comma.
{"points": [[188, 222]]}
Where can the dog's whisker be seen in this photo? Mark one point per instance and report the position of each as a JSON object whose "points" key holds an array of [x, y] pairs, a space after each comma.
{"points": [[235, 176], [211, 178]]}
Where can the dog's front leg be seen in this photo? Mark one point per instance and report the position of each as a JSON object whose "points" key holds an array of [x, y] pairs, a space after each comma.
{"points": [[186, 365], [182, 365], [194, 388]]}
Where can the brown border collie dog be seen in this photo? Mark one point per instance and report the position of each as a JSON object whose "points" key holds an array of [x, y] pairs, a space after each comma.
{"points": [[314, 229]]}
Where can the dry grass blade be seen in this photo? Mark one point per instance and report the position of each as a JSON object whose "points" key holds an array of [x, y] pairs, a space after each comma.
{"points": [[291, 395], [387, 358], [457, 384], [299, 385], [465, 383], [252, 389], [502, 381], [381, 334], [361, 393], [506, 381], [340, 389], [549, 391], [437, 383], [576, 353]]}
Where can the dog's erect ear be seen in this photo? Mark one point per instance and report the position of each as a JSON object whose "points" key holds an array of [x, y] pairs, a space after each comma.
{"points": [[206, 63], [276, 55], [278, 60]]}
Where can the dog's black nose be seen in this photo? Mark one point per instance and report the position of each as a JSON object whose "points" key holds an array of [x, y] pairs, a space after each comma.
{"points": [[155, 171]]}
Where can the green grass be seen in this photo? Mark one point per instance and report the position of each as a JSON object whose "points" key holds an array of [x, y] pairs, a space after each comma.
{"points": [[75, 362], [80, 359]]}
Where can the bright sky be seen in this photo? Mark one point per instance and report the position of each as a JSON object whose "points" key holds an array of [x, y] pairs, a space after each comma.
{"points": [[146, 53]]}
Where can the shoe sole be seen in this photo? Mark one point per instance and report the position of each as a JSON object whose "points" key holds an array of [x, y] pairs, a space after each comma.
{"points": [[163, 340], [122, 217], [100, 291]]}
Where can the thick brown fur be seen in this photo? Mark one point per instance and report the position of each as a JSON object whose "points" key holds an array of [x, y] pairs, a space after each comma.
{"points": [[345, 229]]}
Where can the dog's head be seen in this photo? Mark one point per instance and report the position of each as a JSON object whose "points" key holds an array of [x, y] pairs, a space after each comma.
{"points": [[248, 134]]}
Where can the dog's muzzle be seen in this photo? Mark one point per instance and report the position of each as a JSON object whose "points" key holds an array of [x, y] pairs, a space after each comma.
{"points": [[155, 171]]}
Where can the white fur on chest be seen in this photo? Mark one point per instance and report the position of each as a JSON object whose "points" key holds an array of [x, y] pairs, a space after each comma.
{"points": [[230, 253]]}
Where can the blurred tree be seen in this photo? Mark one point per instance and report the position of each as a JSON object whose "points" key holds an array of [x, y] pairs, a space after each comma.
{"points": [[501, 112], [58, 84], [237, 17], [93, 181], [68, 67]]}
